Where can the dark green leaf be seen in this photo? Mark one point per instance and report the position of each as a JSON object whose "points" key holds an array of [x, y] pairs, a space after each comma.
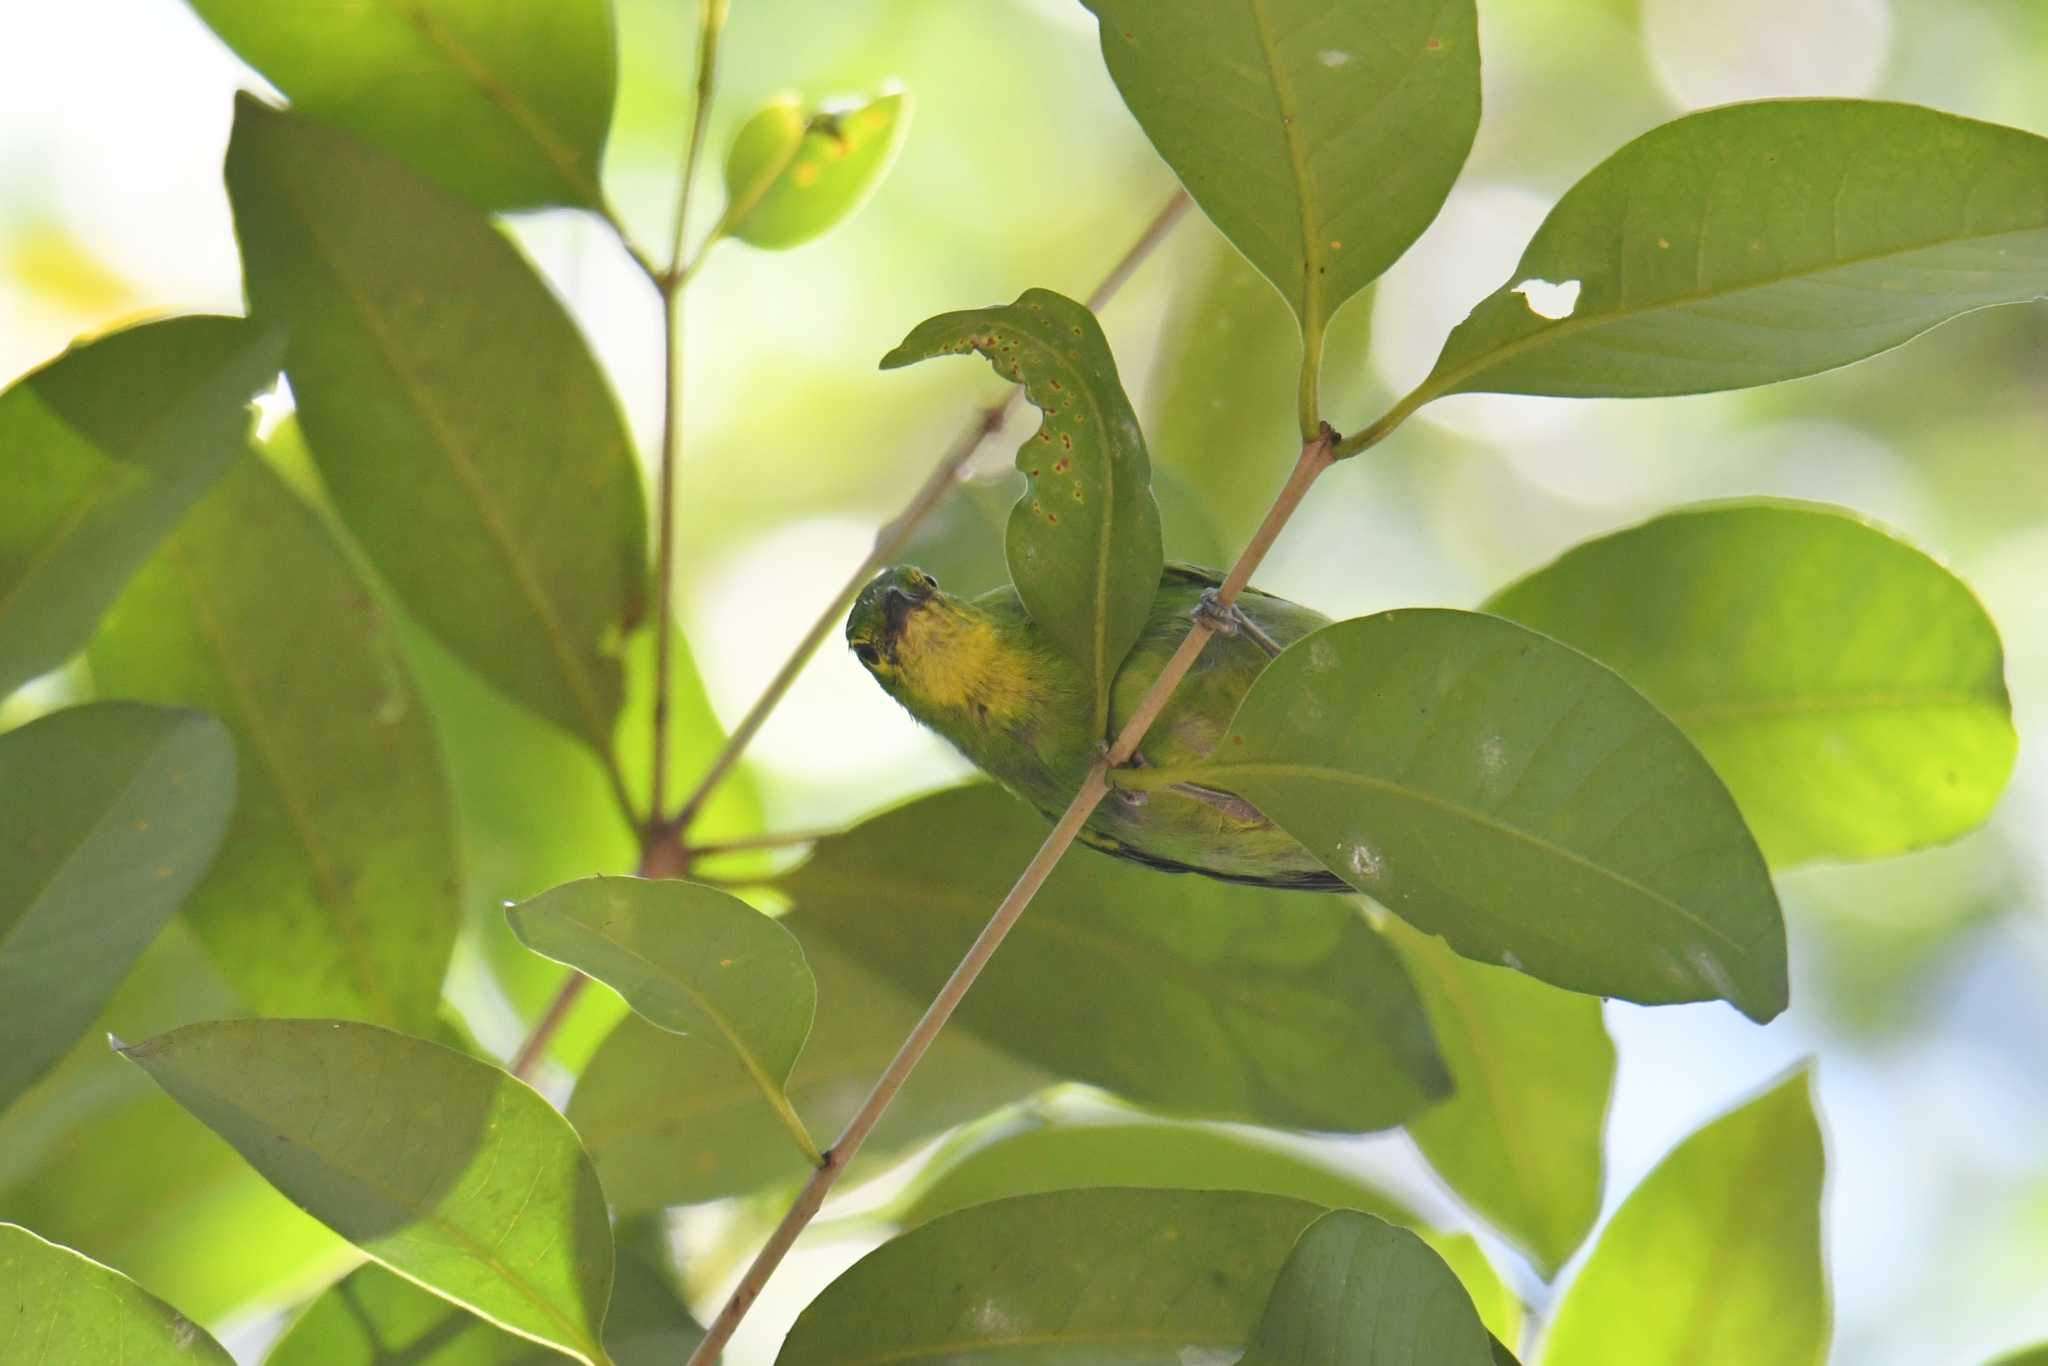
{"points": [[785, 190], [69, 1168], [1521, 1138], [671, 1120], [1040, 1157], [1084, 540], [691, 959], [374, 1318], [1321, 135], [507, 106], [1760, 242], [1848, 688], [1200, 997], [1356, 1291], [1134, 1277], [109, 815], [336, 892], [2037, 1356], [106, 447], [441, 1167], [1501, 1355], [462, 428], [1505, 792], [64, 1309], [1716, 1257]]}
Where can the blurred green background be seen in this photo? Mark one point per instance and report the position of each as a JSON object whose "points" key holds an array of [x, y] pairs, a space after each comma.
{"points": [[1921, 984]]}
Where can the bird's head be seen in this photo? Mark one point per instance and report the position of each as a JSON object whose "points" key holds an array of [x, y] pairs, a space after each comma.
{"points": [[883, 613]]}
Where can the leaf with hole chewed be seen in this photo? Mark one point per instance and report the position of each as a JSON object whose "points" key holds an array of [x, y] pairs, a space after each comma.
{"points": [[691, 959], [1356, 1291], [790, 179], [506, 105], [110, 814], [443, 1168], [337, 891], [462, 428], [1084, 539], [1137, 1277], [1848, 688], [1203, 998], [1321, 136], [64, 1309], [106, 447], [674, 1120], [1716, 1257], [1505, 792], [1760, 242], [1520, 1139]]}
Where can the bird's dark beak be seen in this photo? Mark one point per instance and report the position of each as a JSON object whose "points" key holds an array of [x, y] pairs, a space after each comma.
{"points": [[897, 605]]}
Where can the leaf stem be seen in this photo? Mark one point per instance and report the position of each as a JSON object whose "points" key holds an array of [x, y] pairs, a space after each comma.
{"points": [[777, 840], [1316, 456], [710, 23], [896, 533], [1309, 393]]}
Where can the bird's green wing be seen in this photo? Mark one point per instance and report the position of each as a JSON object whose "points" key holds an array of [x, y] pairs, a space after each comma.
{"points": [[1318, 881]]}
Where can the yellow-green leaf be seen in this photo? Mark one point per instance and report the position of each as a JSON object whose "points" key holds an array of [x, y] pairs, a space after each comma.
{"points": [[64, 1309]]}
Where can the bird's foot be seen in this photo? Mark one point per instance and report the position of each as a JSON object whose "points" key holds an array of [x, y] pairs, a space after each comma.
{"points": [[1128, 796], [1226, 620]]}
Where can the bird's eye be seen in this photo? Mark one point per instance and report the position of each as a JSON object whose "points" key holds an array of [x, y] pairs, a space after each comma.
{"points": [[931, 584], [867, 654]]}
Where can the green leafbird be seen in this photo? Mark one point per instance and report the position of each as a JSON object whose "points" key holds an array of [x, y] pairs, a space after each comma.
{"points": [[980, 673]]}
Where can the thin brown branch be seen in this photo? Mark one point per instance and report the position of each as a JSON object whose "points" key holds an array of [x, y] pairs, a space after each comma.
{"points": [[1316, 457], [896, 533]]}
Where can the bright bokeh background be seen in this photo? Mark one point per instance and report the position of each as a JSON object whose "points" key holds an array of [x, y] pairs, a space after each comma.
{"points": [[1920, 984]]}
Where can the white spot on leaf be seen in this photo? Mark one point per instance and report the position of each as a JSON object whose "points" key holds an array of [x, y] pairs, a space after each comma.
{"points": [[1333, 58], [1547, 300], [1322, 656], [1493, 756], [1364, 860], [1508, 960]]}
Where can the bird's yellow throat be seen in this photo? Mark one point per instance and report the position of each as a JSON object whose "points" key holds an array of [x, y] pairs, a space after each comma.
{"points": [[951, 658]]}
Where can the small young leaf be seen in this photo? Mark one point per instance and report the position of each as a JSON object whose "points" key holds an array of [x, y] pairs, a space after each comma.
{"points": [[1520, 1140], [1084, 540], [506, 106], [1356, 1291], [460, 423], [109, 814], [790, 179], [1716, 1257], [1848, 688], [441, 1167], [1321, 136], [64, 1309], [1505, 792], [106, 447], [1200, 997], [673, 1120], [337, 890], [1760, 242], [691, 959], [1094, 1276]]}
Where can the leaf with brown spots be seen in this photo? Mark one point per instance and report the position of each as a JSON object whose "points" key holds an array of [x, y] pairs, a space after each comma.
{"points": [[1084, 540]]}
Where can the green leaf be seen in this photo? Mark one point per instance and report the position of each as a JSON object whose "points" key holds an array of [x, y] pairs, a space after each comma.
{"points": [[1849, 689], [1321, 135], [1200, 997], [1503, 791], [441, 1167], [373, 1318], [463, 431], [2037, 1356], [1760, 242], [63, 1308], [1220, 405], [671, 1120], [508, 107], [1716, 1257], [1521, 1138], [1356, 1291], [1084, 540], [691, 959], [109, 815], [68, 1164], [1050, 1157], [1501, 1355], [1134, 1277], [337, 890], [106, 448], [790, 179]]}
